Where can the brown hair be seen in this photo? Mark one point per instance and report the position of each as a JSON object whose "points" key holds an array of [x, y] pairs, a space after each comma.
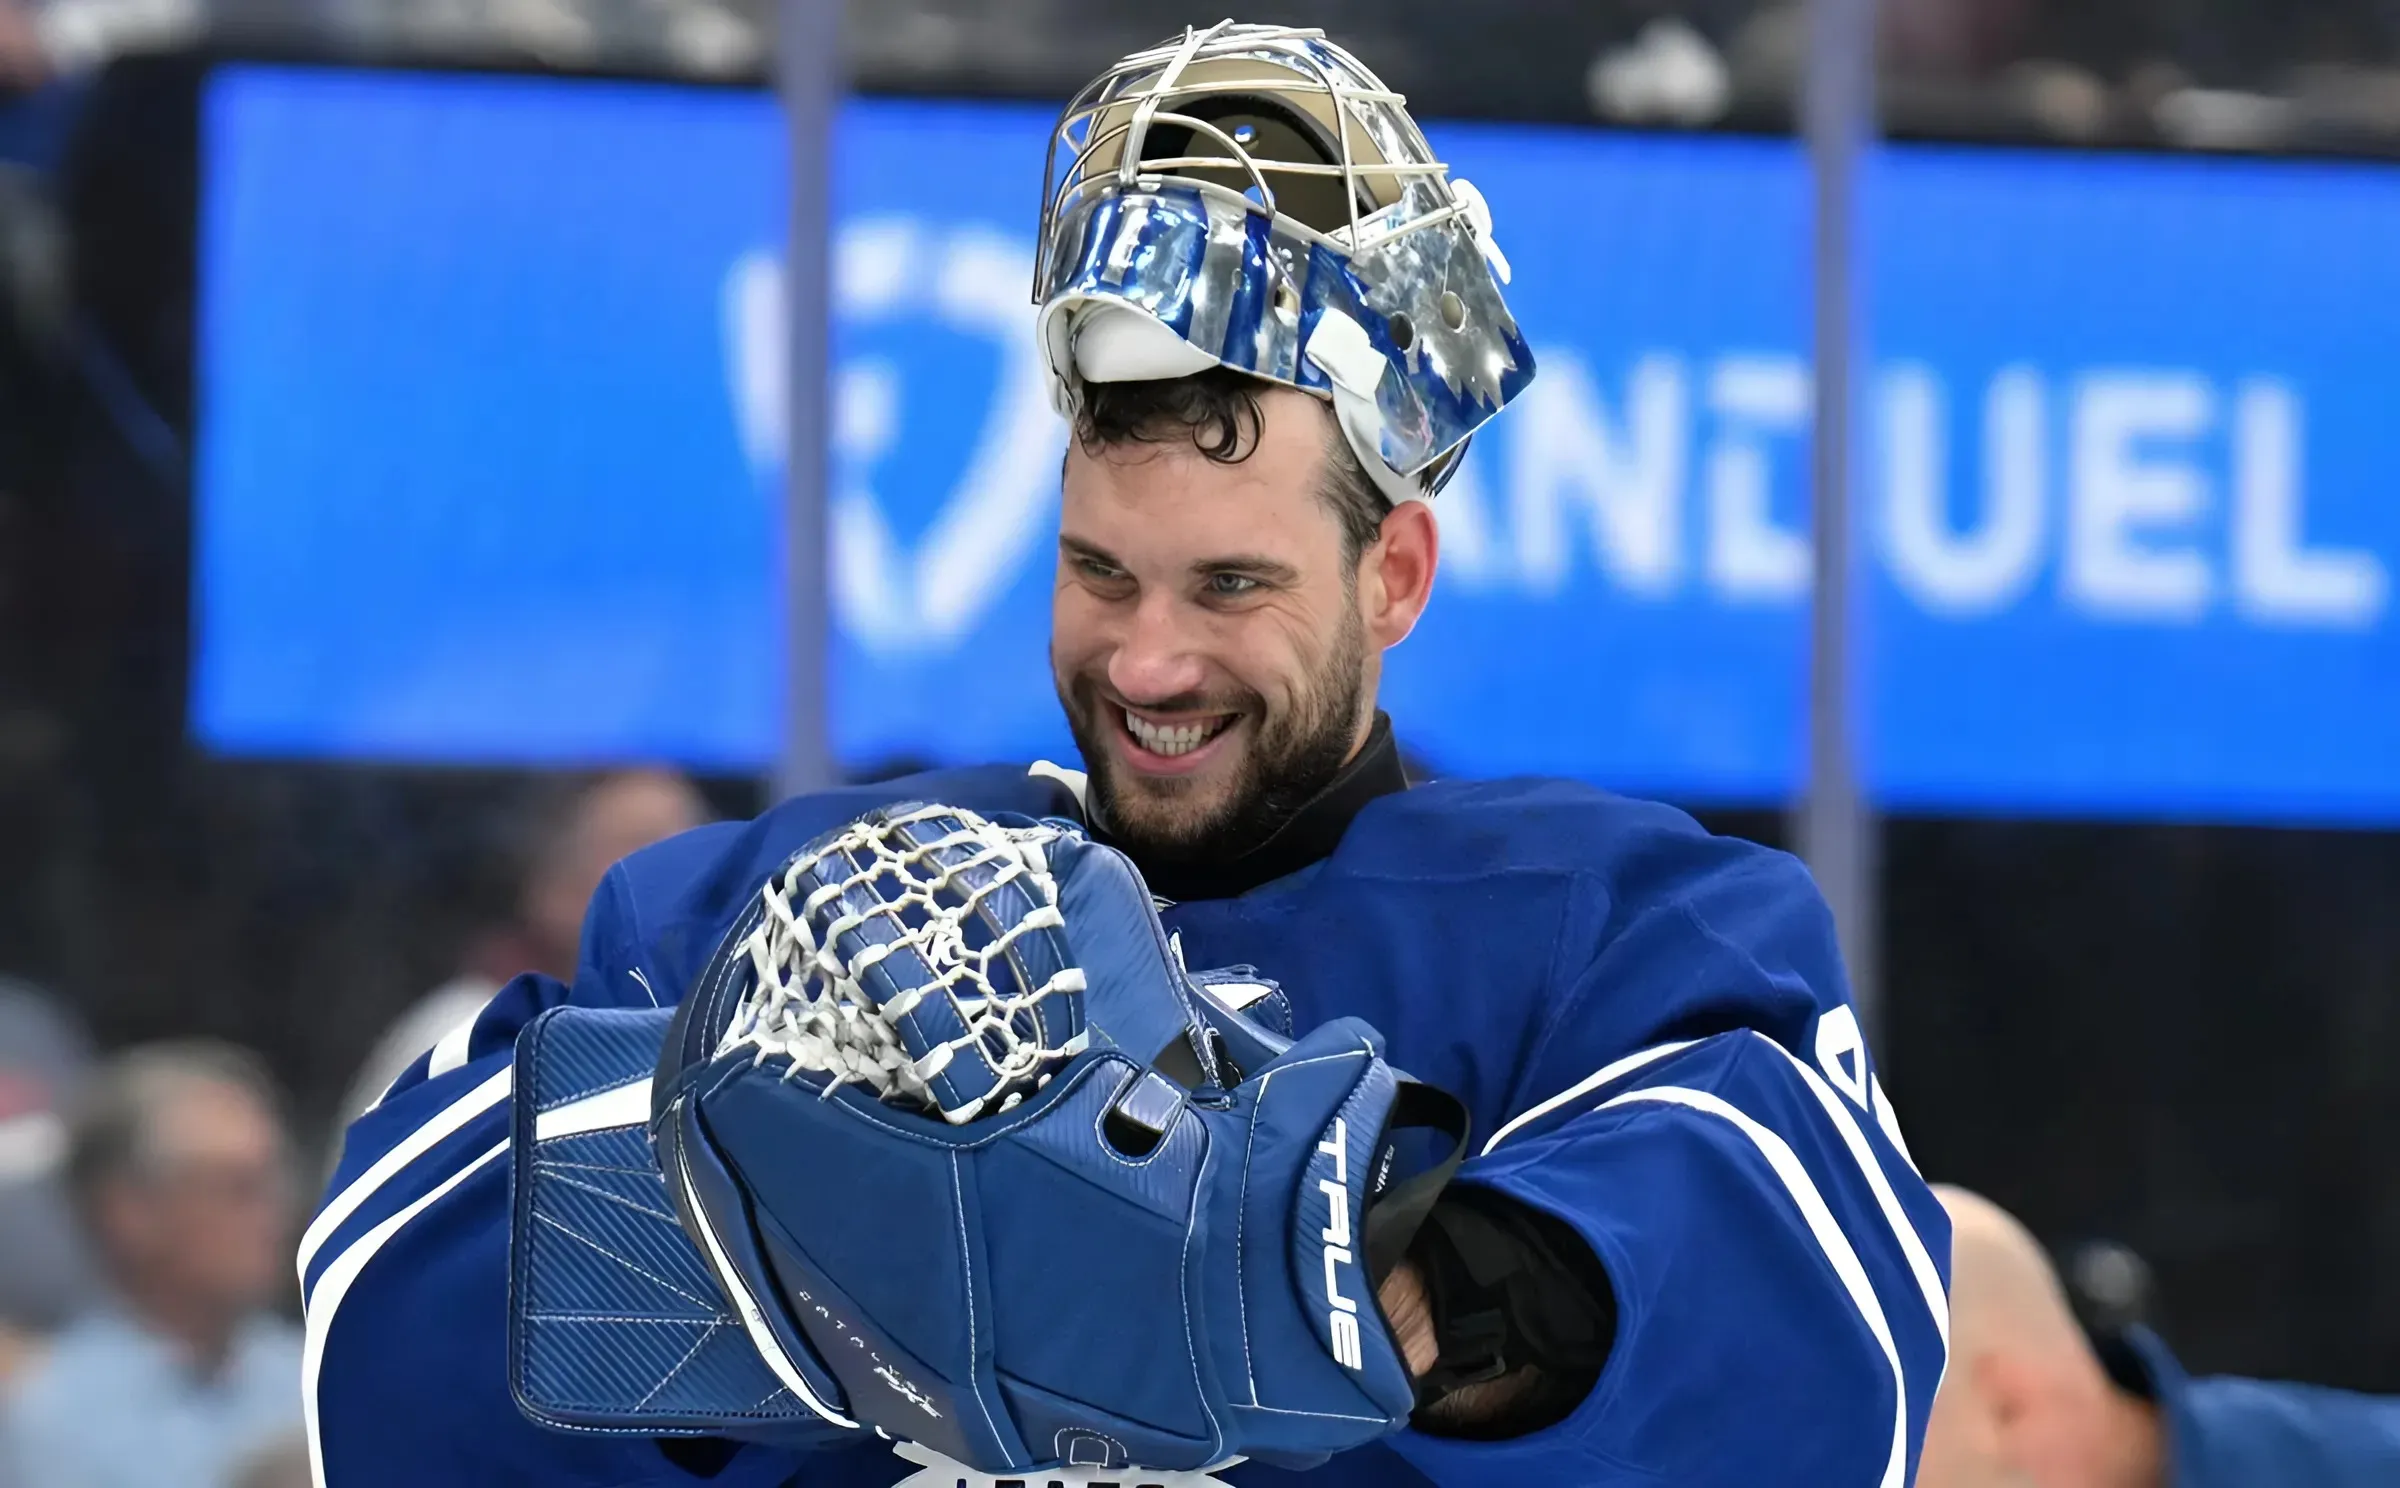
{"points": [[1217, 410], [112, 1130]]}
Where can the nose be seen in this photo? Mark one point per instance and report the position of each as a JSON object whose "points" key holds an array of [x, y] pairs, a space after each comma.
{"points": [[1158, 656]]}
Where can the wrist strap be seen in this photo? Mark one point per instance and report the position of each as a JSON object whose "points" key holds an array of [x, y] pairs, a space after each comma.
{"points": [[1510, 1288], [1397, 1213]]}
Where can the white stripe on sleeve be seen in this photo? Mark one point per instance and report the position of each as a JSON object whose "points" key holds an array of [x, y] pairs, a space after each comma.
{"points": [[336, 1283], [1607, 1075], [1912, 1246], [1793, 1173], [415, 1145], [451, 1051]]}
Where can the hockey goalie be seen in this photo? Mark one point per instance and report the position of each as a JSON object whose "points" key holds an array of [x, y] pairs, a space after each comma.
{"points": [[1226, 1110]]}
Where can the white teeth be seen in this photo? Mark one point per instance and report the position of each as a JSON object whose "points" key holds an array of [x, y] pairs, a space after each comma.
{"points": [[1170, 741]]}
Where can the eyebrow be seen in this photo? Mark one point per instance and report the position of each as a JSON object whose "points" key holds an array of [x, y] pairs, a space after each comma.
{"points": [[1077, 547], [1255, 565]]}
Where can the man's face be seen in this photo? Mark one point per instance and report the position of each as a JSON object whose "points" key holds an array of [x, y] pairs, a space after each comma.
{"points": [[619, 816], [1216, 657], [209, 1221]]}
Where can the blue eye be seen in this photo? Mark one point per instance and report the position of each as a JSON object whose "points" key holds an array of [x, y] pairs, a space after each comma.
{"points": [[1227, 585]]}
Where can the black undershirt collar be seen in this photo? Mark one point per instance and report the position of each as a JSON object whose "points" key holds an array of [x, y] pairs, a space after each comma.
{"points": [[1312, 833]]}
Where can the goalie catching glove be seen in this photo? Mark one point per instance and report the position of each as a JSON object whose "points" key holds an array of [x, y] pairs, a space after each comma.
{"points": [[981, 1166]]}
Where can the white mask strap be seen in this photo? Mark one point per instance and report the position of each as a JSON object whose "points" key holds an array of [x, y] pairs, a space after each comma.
{"points": [[1341, 350]]}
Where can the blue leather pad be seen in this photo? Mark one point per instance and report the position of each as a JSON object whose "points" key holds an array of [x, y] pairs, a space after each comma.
{"points": [[615, 1324]]}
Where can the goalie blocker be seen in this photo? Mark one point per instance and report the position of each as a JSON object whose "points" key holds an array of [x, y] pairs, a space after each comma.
{"points": [[956, 1244]]}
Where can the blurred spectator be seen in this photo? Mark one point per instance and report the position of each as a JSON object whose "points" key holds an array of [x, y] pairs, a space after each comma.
{"points": [[709, 37], [704, 37], [1668, 74], [22, 62], [181, 1175], [2029, 1399], [575, 839], [39, 38], [44, 1281]]}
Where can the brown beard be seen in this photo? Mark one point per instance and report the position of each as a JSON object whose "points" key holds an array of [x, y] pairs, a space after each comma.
{"points": [[1292, 757]]}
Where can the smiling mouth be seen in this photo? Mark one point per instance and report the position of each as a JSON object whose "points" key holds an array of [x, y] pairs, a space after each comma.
{"points": [[1171, 741]]}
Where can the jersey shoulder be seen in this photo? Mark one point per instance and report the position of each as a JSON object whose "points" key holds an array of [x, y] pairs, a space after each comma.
{"points": [[1648, 926], [2269, 1433], [1534, 823], [1608, 862]]}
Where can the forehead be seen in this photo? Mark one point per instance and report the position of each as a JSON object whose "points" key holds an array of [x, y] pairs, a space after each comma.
{"points": [[206, 1118], [1169, 499]]}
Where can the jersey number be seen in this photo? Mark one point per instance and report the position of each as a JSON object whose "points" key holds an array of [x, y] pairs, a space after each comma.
{"points": [[1842, 1055]]}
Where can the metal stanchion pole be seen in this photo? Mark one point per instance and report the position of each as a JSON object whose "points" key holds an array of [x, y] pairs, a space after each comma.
{"points": [[1836, 825], [808, 71]]}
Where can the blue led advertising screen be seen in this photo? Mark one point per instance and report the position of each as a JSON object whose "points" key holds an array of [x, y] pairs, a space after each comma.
{"points": [[490, 454]]}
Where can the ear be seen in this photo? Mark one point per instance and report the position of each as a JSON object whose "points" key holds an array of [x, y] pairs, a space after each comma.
{"points": [[2010, 1391], [1396, 573], [1962, 1441], [2006, 1380], [118, 1215]]}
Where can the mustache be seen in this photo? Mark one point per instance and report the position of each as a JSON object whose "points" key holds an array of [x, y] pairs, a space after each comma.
{"points": [[1085, 689]]}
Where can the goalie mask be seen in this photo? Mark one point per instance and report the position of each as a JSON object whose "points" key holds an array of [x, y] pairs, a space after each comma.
{"points": [[1252, 197]]}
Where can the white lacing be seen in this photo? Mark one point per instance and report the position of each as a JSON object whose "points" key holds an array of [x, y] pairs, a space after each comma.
{"points": [[879, 890]]}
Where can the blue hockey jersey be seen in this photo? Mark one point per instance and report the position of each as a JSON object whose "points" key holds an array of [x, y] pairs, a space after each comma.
{"points": [[2224, 1432], [1650, 1025]]}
